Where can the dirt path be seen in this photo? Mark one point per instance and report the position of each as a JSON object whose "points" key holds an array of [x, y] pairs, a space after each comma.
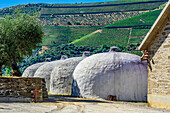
{"points": [[129, 35], [97, 31], [58, 104]]}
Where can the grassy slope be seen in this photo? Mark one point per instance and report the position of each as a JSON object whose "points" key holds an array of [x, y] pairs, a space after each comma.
{"points": [[47, 12], [56, 35], [103, 3], [40, 7], [100, 9], [143, 19], [112, 37], [137, 35], [139, 32], [82, 38], [109, 37]]}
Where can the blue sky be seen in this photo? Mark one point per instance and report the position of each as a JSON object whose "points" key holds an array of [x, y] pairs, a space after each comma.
{"points": [[8, 3]]}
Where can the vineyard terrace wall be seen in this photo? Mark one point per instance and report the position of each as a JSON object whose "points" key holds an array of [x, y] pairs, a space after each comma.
{"points": [[87, 19]]}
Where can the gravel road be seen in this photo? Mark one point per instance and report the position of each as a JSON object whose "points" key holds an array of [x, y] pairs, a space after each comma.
{"points": [[59, 104]]}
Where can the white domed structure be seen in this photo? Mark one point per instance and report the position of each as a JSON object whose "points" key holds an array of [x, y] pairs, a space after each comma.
{"points": [[119, 74], [61, 76], [30, 71], [45, 70]]}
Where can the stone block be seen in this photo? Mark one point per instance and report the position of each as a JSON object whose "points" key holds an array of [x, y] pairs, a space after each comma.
{"points": [[159, 101], [164, 81], [153, 84], [166, 46]]}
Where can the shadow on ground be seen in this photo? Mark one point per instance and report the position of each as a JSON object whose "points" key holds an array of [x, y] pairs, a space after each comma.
{"points": [[58, 98]]}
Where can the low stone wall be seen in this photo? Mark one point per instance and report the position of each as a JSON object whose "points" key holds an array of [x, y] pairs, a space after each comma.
{"points": [[20, 89]]}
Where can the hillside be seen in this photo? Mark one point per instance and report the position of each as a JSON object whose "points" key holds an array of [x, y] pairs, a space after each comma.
{"points": [[109, 37], [123, 33], [56, 35], [102, 13], [145, 19], [95, 14], [97, 19], [65, 23]]}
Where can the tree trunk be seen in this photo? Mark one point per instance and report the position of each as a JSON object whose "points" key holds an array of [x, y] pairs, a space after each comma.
{"points": [[15, 68], [0, 70]]}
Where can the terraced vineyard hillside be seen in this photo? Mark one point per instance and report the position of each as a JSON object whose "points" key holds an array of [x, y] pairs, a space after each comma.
{"points": [[109, 37], [122, 33], [127, 32], [87, 19], [65, 23], [95, 14], [56, 35], [146, 19], [102, 13]]}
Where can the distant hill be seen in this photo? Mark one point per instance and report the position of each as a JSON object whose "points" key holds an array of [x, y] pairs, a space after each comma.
{"points": [[130, 31], [56, 35], [145, 19], [65, 23], [102, 13]]}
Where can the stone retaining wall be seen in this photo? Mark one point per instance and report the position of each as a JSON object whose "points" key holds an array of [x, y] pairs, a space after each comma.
{"points": [[20, 89]]}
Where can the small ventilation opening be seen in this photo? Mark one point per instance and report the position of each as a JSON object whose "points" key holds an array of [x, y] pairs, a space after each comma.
{"points": [[48, 60], [86, 53], [114, 49], [63, 57]]}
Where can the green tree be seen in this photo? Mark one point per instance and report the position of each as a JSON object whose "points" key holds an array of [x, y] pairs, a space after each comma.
{"points": [[8, 71], [4, 59], [5, 26], [20, 34]]}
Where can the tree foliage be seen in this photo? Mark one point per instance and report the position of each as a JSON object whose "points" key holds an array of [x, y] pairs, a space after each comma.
{"points": [[19, 35]]}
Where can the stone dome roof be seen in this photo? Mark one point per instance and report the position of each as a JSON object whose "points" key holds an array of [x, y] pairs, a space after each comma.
{"points": [[61, 76], [30, 71], [114, 73], [45, 70]]}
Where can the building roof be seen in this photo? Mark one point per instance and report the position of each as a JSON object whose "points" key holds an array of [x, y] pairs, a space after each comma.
{"points": [[156, 27]]}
